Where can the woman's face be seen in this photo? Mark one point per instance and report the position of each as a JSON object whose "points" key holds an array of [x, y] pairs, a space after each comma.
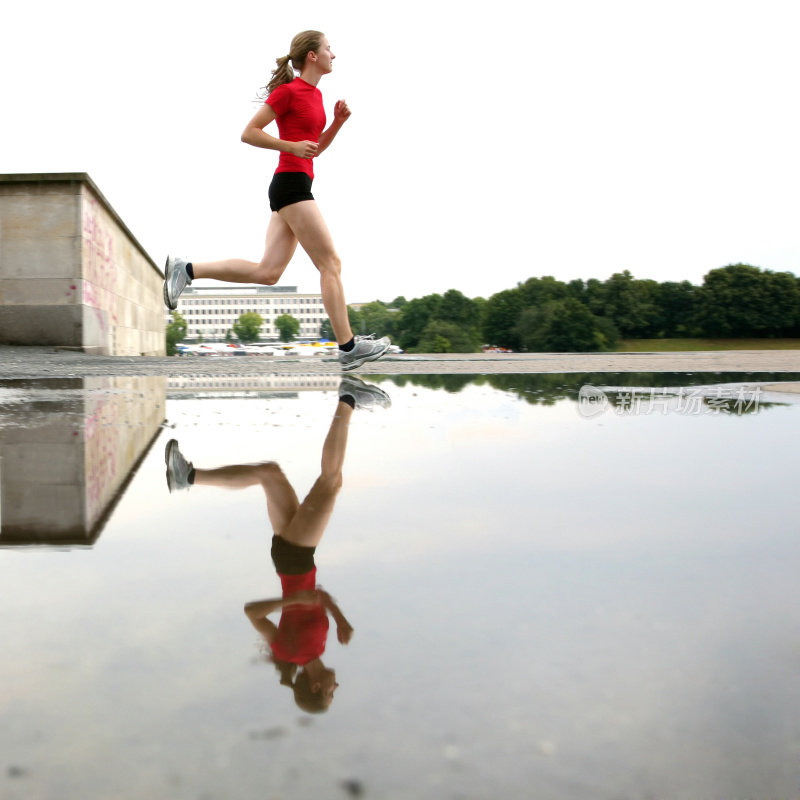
{"points": [[329, 686], [325, 56]]}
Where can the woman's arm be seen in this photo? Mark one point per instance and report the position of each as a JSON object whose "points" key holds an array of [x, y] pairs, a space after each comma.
{"points": [[341, 113], [261, 608], [255, 135], [257, 610], [344, 630]]}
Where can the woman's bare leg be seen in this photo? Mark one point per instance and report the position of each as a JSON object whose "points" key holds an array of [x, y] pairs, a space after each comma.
{"points": [[308, 226], [282, 502], [299, 523], [311, 520], [279, 248], [301, 222]]}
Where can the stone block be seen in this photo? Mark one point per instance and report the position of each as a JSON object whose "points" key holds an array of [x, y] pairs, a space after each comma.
{"points": [[60, 228], [47, 291], [46, 463], [41, 512], [41, 325]]}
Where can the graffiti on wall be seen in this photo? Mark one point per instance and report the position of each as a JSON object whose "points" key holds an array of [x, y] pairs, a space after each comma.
{"points": [[100, 270], [102, 443], [98, 244]]}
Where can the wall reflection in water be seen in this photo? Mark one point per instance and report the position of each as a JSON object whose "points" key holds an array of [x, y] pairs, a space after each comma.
{"points": [[66, 449]]}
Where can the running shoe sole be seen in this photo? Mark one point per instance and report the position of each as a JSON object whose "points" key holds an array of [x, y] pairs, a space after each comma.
{"points": [[172, 444], [168, 268], [363, 360]]}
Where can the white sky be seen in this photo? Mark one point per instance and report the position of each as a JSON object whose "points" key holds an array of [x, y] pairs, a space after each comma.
{"points": [[488, 143]]}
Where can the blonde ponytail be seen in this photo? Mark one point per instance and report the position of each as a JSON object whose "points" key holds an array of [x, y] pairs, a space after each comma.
{"points": [[302, 44], [283, 73]]}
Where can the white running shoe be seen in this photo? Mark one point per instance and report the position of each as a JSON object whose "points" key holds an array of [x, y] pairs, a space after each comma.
{"points": [[366, 348], [178, 468], [176, 279], [365, 395]]}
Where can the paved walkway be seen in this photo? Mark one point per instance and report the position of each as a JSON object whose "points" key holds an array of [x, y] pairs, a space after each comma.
{"points": [[48, 362]]}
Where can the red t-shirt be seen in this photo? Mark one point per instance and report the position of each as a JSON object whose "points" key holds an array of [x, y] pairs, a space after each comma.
{"points": [[301, 117], [302, 630]]}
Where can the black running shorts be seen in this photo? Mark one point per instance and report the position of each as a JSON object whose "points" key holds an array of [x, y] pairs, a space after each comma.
{"points": [[291, 559], [289, 187]]}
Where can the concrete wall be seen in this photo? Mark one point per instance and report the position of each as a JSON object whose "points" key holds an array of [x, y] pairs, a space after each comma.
{"points": [[71, 273], [67, 457]]}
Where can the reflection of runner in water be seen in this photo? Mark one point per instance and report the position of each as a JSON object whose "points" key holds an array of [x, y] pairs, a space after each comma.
{"points": [[297, 642]]}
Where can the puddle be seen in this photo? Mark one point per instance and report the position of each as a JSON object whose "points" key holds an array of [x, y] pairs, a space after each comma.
{"points": [[554, 591]]}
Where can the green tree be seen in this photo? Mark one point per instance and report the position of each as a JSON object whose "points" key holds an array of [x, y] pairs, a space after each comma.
{"points": [[562, 326], [378, 318], [466, 314], [248, 327], [741, 300], [631, 304], [176, 332], [288, 327], [500, 317], [577, 289], [677, 302], [441, 336], [457, 308], [538, 291], [594, 296], [784, 301], [413, 318]]}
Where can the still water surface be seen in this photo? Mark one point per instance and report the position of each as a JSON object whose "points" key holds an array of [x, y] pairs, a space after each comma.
{"points": [[549, 597]]}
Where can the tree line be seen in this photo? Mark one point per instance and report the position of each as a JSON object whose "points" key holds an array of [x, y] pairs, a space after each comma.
{"points": [[548, 315]]}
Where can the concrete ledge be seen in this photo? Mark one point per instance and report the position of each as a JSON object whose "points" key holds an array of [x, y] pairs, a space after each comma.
{"points": [[13, 180], [71, 271], [40, 362]]}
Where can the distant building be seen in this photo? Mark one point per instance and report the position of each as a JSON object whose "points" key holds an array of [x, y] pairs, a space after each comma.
{"points": [[211, 311], [262, 385]]}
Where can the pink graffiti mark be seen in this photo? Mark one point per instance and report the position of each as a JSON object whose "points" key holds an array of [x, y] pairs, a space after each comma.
{"points": [[99, 266], [101, 437], [92, 299]]}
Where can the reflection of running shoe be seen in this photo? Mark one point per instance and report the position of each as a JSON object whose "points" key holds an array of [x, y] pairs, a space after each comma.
{"points": [[365, 395], [366, 348], [176, 279], [178, 468]]}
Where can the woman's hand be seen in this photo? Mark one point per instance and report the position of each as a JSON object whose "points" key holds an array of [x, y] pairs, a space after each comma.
{"points": [[341, 111], [303, 149], [344, 632]]}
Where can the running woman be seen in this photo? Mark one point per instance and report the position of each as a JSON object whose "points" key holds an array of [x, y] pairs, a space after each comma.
{"points": [[295, 103]]}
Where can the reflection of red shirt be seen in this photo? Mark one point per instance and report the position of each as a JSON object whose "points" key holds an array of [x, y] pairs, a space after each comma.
{"points": [[300, 117], [302, 630]]}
